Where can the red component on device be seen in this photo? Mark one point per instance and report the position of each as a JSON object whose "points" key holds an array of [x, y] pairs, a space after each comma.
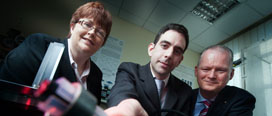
{"points": [[42, 88]]}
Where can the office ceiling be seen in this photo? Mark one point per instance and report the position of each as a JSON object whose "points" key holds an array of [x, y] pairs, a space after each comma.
{"points": [[153, 14]]}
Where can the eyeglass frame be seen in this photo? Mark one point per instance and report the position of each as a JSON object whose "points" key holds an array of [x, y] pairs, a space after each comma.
{"points": [[88, 25]]}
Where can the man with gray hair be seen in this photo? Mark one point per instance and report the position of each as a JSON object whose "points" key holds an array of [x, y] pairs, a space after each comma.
{"points": [[214, 97]]}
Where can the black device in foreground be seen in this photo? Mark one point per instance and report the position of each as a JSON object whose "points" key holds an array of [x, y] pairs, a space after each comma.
{"points": [[61, 97]]}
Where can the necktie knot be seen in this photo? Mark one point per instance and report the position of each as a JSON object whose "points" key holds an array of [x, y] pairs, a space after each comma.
{"points": [[161, 86], [207, 105], [83, 79]]}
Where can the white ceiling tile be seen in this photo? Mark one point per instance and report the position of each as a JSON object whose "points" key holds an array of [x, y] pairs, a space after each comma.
{"points": [[152, 27], [196, 47], [153, 14], [116, 3], [262, 6], [166, 13], [194, 25], [210, 37], [242, 1], [237, 19], [111, 8], [140, 8], [186, 5], [131, 18]]}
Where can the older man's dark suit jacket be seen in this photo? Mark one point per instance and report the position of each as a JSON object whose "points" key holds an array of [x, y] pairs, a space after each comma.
{"points": [[231, 101], [22, 64], [135, 81]]}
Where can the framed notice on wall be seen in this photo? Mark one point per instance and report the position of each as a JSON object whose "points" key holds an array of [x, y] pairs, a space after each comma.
{"points": [[186, 74], [107, 59]]}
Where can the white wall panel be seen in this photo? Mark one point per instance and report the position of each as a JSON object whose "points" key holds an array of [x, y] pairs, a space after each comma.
{"points": [[247, 39], [258, 80], [268, 29], [261, 32], [235, 46], [254, 35]]}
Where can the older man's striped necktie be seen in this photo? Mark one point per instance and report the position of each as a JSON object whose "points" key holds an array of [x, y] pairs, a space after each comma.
{"points": [[205, 110]]}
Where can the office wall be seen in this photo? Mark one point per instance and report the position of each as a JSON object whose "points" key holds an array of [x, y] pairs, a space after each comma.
{"points": [[254, 74], [136, 41], [254, 36]]}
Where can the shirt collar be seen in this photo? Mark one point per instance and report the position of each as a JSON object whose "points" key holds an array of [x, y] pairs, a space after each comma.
{"points": [[74, 64], [200, 98], [165, 80]]}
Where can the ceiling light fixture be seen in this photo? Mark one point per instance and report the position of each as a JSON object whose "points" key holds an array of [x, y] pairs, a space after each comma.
{"points": [[211, 10]]}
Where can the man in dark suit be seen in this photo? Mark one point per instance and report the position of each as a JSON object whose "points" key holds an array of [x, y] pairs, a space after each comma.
{"points": [[89, 28], [214, 97], [142, 83]]}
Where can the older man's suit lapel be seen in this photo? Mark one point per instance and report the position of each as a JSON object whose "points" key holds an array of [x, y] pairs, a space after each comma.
{"points": [[150, 85], [221, 102]]}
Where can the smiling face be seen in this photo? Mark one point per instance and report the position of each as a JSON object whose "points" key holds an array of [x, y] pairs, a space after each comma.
{"points": [[167, 53], [213, 71], [84, 39]]}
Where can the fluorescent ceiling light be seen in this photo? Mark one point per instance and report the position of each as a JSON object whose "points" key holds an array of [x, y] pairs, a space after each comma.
{"points": [[211, 10]]}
